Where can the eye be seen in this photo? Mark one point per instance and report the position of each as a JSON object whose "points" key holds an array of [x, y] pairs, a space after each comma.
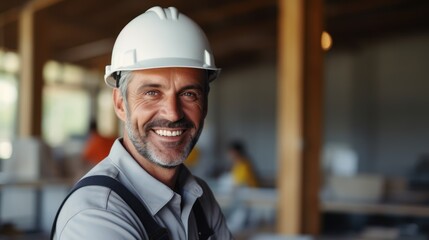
{"points": [[152, 93], [190, 95]]}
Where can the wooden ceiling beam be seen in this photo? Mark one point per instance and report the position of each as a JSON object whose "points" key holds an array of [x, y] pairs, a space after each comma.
{"points": [[38, 5], [261, 33], [116, 11], [12, 14], [257, 36], [378, 24], [9, 16], [86, 51], [67, 33], [357, 7], [97, 63], [228, 10]]}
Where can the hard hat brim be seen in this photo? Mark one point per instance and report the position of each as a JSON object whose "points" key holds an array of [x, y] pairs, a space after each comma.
{"points": [[161, 63]]}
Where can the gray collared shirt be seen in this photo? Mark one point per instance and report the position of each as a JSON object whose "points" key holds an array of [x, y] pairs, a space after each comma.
{"points": [[96, 212]]}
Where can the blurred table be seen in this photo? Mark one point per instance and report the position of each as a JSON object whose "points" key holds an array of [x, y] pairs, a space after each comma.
{"points": [[38, 199], [376, 208]]}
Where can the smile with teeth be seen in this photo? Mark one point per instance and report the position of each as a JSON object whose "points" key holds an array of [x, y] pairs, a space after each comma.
{"points": [[168, 133]]}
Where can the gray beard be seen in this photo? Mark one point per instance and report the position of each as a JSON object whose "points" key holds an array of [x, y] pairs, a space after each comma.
{"points": [[144, 148]]}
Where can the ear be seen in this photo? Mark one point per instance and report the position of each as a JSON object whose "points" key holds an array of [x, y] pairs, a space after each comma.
{"points": [[119, 104]]}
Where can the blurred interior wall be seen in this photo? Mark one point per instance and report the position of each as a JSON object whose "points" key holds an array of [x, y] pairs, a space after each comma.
{"points": [[376, 101], [242, 106]]}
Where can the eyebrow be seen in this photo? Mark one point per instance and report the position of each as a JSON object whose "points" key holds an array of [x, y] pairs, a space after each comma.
{"points": [[193, 86], [156, 85], [149, 85]]}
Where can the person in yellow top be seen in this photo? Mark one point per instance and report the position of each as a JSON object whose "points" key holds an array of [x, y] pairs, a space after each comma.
{"points": [[193, 158], [242, 171]]}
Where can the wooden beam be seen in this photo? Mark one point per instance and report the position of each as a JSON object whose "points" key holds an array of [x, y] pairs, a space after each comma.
{"points": [[87, 51], [290, 123], [9, 16], [37, 5], [69, 33], [13, 15], [253, 37], [343, 8], [232, 9], [375, 23]]}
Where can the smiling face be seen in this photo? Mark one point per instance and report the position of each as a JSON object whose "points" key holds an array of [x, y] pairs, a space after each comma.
{"points": [[164, 113]]}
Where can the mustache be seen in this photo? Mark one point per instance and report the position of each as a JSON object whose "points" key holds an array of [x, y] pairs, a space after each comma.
{"points": [[162, 123]]}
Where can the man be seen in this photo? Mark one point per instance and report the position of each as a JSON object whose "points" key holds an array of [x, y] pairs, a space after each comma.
{"points": [[161, 69]]}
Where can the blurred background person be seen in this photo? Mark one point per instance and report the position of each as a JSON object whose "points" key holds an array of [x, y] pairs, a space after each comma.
{"points": [[243, 172], [97, 146], [193, 159]]}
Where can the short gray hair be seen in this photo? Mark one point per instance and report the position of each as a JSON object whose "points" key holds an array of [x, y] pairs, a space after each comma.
{"points": [[124, 80]]}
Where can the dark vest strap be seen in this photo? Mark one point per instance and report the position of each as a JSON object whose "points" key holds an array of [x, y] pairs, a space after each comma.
{"points": [[204, 231], [153, 230]]}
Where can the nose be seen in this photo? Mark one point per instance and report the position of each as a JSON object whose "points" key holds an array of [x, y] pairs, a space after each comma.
{"points": [[172, 109]]}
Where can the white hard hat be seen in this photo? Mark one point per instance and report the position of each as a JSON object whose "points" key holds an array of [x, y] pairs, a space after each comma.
{"points": [[159, 38]]}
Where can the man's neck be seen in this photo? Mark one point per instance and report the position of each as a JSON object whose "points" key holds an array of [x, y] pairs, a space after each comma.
{"points": [[167, 176]]}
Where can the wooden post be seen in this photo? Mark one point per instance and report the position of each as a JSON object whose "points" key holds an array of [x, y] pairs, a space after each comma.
{"points": [[313, 117], [290, 132], [299, 116], [33, 52]]}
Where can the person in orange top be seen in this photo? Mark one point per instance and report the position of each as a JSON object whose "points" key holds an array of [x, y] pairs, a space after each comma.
{"points": [[97, 146], [243, 173]]}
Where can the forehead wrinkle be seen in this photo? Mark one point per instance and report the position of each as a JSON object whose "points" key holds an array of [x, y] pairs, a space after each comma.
{"points": [[169, 79], [200, 77], [150, 80], [196, 86]]}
